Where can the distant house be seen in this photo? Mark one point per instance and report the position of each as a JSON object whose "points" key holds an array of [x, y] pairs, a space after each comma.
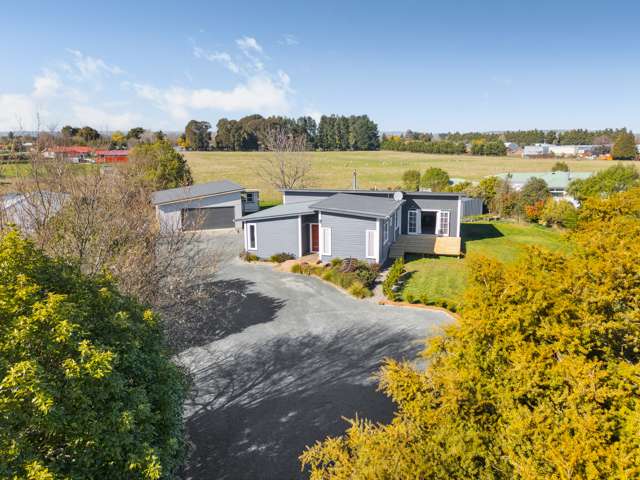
{"points": [[207, 206], [111, 156], [537, 150], [511, 146], [370, 225], [75, 154], [26, 211], [558, 182]]}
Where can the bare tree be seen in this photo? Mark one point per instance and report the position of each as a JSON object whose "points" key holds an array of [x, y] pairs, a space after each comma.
{"points": [[287, 165]]}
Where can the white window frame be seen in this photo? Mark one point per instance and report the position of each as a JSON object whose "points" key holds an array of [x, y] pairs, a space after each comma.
{"points": [[251, 197], [367, 244], [255, 236], [442, 214], [415, 212], [325, 250]]}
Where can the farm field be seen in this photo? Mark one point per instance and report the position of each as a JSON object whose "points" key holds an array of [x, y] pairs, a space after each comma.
{"points": [[446, 277], [377, 169]]}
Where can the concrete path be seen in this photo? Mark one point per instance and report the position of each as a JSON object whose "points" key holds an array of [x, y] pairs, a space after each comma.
{"points": [[278, 362]]}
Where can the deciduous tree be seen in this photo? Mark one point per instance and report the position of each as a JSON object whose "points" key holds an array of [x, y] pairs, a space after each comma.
{"points": [[435, 179]]}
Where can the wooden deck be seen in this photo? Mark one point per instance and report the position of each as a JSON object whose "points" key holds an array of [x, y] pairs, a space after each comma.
{"points": [[426, 244]]}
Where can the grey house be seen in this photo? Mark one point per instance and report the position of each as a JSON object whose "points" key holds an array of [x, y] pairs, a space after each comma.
{"points": [[206, 206], [370, 225]]}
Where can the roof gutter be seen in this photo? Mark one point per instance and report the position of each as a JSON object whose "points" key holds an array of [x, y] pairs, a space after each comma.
{"points": [[197, 197]]}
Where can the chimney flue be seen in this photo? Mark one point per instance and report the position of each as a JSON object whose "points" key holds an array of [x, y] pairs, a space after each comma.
{"points": [[355, 181]]}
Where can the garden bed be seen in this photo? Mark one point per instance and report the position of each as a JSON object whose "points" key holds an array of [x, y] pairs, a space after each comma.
{"points": [[354, 276]]}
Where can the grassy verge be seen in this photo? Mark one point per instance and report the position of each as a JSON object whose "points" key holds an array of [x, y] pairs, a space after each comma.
{"points": [[443, 279]]}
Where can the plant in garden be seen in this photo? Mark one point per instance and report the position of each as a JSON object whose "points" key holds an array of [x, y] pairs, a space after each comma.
{"points": [[87, 389], [393, 277], [411, 180], [435, 179], [559, 213], [538, 378], [560, 167]]}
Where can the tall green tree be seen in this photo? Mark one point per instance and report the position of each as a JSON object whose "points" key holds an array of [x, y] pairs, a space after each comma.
{"points": [[159, 164], [411, 180], [537, 379], [135, 133], [198, 135], [624, 147], [435, 179], [87, 389], [88, 134]]}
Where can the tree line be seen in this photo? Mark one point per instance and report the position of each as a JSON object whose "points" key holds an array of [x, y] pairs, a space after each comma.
{"points": [[355, 132], [577, 136]]}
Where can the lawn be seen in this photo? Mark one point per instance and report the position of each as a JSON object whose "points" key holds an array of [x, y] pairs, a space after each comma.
{"points": [[381, 169], [445, 277]]}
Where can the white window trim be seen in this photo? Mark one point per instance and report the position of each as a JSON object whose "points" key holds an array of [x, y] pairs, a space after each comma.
{"points": [[439, 223], [459, 215], [252, 195], [367, 233], [409, 212], [324, 251], [255, 236], [299, 236]]}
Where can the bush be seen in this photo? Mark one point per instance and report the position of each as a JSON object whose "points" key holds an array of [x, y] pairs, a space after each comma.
{"points": [[421, 146], [248, 256], [489, 148], [393, 276], [87, 387], [358, 290], [367, 273], [561, 214], [560, 167], [281, 257], [435, 179], [411, 180], [336, 262], [534, 212], [296, 268]]}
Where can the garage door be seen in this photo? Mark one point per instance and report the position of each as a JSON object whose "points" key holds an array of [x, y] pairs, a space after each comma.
{"points": [[207, 218]]}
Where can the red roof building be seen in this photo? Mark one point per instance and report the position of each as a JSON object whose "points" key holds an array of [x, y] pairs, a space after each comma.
{"points": [[111, 156]]}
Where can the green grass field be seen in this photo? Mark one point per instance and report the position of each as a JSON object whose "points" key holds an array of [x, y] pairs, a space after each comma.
{"points": [[446, 277], [382, 169]]}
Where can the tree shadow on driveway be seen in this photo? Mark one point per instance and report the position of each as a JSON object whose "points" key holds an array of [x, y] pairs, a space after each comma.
{"points": [[254, 409], [214, 310]]}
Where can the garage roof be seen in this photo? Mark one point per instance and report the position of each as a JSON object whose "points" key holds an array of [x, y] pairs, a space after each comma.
{"points": [[195, 191], [284, 210], [367, 206]]}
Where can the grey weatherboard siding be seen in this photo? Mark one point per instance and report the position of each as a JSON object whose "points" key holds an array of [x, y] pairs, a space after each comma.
{"points": [[431, 202], [347, 235], [276, 235], [169, 214]]}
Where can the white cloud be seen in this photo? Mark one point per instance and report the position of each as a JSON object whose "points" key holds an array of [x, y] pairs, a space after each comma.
{"points": [[17, 112], [99, 118], [248, 43], [85, 67], [46, 84], [289, 39], [222, 57], [258, 94]]}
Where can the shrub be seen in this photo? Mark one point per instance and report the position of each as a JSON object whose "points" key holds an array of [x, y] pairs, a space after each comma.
{"points": [[296, 268], [336, 262], [281, 257], [409, 298], [560, 167], [534, 212], [248, 256], [358, 290], [411, 180], [367, 273], [88, 389], [561, 214], [435, 179], [393, 276]]}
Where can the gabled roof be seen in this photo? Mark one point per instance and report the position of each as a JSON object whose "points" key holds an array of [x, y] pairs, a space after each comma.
{"points": [[283, 210], [195, 191], [367, 206]]}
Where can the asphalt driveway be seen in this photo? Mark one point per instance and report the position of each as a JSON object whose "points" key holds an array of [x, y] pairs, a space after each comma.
{"points": [[277, 360]]}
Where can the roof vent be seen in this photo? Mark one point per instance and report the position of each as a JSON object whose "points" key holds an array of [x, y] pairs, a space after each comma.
{"points": [[397, 196]]}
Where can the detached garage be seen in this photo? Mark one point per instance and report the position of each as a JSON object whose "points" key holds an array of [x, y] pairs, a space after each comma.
{"points": [[207, 206]]}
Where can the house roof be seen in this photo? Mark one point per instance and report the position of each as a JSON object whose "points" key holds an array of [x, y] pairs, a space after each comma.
{"points": [[194, 191], [555, 180], [380, 207], [387, 193], [73, 149], [283, 210], [112, 153]]}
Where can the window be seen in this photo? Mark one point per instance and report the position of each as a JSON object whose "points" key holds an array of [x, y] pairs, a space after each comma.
{"points": [[443, 226], [252, 240], [370, 244], [251, 197], [386, 230], [325, 241], [412, 223]]}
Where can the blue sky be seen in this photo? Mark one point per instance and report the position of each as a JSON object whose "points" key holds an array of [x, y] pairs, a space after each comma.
{"points": [[433, 66]]}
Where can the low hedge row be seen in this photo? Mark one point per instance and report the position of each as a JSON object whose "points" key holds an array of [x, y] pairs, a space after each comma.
{"points": [[357, 279]]}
